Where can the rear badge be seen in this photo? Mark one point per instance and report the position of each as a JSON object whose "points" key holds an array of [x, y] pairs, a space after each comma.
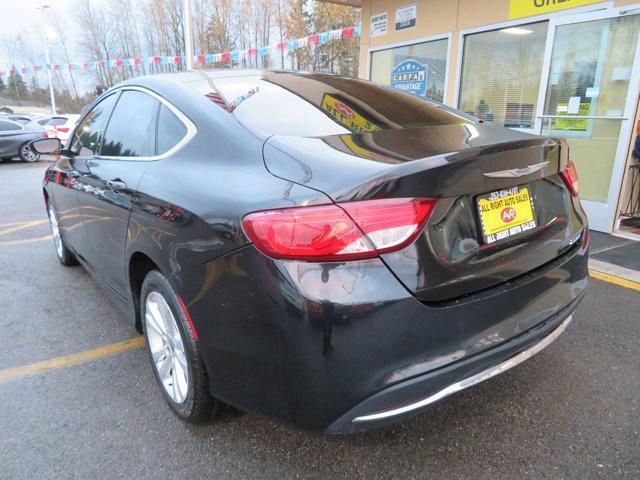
{"points": [[517, 172], [506, 213]]}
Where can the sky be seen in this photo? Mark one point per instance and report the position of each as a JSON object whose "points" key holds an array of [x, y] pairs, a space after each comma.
{"points": [[20, 16]]}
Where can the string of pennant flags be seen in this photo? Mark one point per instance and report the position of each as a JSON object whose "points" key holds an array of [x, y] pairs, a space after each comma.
{"points": [[233, 57]]}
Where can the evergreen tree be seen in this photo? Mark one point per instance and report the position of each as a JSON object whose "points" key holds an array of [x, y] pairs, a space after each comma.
{"points": [[2, 87], [16, 88]]}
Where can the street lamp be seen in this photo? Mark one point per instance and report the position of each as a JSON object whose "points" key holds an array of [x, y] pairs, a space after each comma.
{"points": [[46, 51], [188, 33]]}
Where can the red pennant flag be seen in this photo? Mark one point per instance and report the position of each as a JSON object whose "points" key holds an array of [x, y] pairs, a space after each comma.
{"points": [[85, 66], [200, 58], [313, 39], [347, 32], [226, 56], [137, 61], [56, 66], [253, 52], [156, 60], [101, 64], [282, 46], [118, 62], [177, 60], [11, 72]]}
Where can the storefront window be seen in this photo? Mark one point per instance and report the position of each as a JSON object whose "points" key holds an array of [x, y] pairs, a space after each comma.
{"points": [[501, 72], [419, 69]]}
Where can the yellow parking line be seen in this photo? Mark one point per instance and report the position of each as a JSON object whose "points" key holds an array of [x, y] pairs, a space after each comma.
{"points": [[26, 240], [623, 282], [23, 226], [68, 360]]}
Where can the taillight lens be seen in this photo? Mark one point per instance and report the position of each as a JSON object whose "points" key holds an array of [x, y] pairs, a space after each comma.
{"points": [[570, 178], [63, 129], [337, 232]]}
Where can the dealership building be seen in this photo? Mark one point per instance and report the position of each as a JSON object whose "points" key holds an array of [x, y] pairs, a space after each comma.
{"points": [[560, 68]]}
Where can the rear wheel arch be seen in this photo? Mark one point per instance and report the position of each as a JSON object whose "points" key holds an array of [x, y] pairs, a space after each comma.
{"points": [[140, 264]]}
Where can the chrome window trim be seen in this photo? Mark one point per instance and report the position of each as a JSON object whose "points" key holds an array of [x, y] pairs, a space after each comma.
{"points": [[468, 382], [189, 125]]}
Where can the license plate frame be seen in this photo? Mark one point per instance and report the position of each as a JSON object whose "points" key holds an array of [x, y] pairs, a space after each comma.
{"points": [[506, 213]]}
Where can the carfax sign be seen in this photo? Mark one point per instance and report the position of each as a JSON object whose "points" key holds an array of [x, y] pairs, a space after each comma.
{"points": [[410, 77]]}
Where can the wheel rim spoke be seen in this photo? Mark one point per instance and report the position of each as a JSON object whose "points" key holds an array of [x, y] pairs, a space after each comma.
{"points": [[166, 347]]}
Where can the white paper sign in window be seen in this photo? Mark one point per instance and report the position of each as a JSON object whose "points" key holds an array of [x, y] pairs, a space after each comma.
{"points": [[379, 24], [406, 17]]}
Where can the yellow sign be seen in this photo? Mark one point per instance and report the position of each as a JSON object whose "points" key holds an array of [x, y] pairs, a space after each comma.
{"points": [[506, 213], [529, 8], [347, 116], [574, 124]]}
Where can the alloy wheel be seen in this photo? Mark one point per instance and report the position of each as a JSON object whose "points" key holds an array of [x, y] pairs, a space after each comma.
{"points": [[28, 154], [55, 231], [167, 348]]}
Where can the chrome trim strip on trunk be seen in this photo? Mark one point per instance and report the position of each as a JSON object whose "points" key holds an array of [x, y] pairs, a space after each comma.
{"points": [[468, 382]]}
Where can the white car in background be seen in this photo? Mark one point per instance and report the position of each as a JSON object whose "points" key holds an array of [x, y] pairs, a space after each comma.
{"points": [[60, 126]]}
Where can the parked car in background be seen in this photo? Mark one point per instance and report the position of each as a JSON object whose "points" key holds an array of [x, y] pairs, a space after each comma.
{"points": [[15, 138], [60, 126]]}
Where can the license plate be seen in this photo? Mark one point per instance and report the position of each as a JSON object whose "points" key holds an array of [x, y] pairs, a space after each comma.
{"points": [[506, 213]]}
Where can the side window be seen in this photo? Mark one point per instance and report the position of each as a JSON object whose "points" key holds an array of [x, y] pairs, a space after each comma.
{"points": [[8, 126], [132, 127], [170, 130], [86, 139]]}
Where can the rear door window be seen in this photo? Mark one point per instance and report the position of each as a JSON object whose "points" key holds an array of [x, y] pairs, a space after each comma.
{"points": [[132, 127], [9, 126]]}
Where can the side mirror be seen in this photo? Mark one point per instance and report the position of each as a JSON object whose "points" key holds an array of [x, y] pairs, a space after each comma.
{"points": [[47, 146]]}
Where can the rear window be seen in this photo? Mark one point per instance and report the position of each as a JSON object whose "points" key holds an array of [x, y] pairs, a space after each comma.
{"points": [[57, 121], [280, 103]]}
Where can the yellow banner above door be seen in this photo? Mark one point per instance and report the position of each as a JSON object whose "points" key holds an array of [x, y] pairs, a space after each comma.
{"points": [[529, 8]]}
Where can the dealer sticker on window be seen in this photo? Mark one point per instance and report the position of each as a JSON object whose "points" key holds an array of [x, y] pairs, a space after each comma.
{"points": [[506, 213]]}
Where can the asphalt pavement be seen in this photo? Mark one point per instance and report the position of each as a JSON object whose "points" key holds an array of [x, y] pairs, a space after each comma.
{"points": [[570, 412]]}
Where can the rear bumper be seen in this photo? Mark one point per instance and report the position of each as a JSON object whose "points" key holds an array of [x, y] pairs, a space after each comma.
{"points": [[319, 345], [411, 397]]}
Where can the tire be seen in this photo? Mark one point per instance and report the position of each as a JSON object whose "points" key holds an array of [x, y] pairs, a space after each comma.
{"points": [[66, 256], [27, 154], [175, 358]]}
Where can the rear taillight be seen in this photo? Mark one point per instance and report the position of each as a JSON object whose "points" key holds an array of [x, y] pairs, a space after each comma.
{"points": [[337, 232], [63, 129], [570, 178]]}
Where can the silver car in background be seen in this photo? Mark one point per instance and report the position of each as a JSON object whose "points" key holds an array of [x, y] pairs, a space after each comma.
{"points": [[15, 138]]}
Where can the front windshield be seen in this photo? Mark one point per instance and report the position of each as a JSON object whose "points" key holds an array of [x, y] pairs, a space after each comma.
{"points": [[299, 104]]}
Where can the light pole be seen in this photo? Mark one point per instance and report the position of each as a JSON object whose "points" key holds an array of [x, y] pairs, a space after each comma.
{"points": [[188, 33], [46, 51]]}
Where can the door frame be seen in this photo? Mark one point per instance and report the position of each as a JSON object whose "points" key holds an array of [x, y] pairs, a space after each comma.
{"points": [[602, 216]]}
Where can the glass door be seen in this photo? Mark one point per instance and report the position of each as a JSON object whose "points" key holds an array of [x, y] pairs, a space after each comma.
{"points": [[587, 97]]}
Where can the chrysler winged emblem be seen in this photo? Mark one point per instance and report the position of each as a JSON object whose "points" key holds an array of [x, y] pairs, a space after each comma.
{"points": [[517, 172]]}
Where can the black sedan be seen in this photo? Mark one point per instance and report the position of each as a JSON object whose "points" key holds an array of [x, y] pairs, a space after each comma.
{"points": [[321, 250]]}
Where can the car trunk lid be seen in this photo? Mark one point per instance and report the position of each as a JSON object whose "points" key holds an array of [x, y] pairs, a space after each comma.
{"points": [[468, 167]]}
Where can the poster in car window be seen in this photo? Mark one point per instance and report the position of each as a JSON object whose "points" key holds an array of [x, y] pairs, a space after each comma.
{"points": [[406, 17], [379, 24], [410, 77]]}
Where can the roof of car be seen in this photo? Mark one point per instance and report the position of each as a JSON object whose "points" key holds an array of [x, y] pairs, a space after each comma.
{"points": [[188, 76]]}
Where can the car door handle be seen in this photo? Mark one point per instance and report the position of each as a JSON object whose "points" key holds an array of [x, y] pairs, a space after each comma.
{"points": [[116, 185]]}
